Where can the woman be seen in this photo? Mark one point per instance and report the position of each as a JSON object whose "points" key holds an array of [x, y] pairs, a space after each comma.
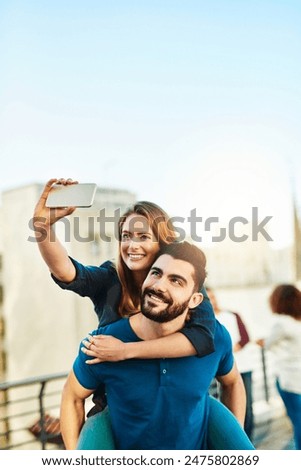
{"points": [[115, 291], [284, 341]]}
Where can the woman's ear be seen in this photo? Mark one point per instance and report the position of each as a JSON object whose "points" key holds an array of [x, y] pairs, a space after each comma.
{"points": [[195, 300]]}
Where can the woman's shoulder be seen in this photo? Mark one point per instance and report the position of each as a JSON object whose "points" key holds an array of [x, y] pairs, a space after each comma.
{"points": [[283, 319], [110, 265], [290, 322]]}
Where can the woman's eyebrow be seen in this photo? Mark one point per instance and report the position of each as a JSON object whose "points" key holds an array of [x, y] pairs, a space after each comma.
{"points": [[140, 231]]}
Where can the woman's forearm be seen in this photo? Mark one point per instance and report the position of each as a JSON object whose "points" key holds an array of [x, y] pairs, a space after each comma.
{"points": [[52, 251], [54, 254], [103, 348], [175, 345]]}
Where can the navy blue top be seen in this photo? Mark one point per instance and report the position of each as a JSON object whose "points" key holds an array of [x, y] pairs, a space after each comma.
{"points": [[101, 284], [142, 393]]}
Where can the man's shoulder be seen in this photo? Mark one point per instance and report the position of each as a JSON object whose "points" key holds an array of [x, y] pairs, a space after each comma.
{"points": [[108, 329], [221, 333], [121, 329], [220, 327]]}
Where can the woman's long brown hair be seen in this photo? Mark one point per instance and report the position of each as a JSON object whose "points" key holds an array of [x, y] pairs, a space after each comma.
{"points": [[164, 233]]}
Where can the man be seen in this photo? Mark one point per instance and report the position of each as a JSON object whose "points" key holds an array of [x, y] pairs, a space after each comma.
{"points": [[157, 403], [243, 357]]}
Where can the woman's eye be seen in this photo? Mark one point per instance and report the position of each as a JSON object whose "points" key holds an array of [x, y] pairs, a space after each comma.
{"points": [[125, 236], [144, 237]]}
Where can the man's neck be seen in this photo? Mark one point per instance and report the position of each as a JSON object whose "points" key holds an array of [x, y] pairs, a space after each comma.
{"points": [[147, 329]]}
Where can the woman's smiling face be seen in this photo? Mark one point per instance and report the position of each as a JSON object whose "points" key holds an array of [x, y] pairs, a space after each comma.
{"points": [[138, 246]]}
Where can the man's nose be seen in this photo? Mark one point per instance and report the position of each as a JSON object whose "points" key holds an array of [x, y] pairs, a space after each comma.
{"points": [[160, 284]]}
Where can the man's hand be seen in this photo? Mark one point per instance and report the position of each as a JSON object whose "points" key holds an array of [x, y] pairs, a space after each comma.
{"points": [[104, 348]]}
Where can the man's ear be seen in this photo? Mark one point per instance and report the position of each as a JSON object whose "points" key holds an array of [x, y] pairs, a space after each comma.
{"points": [[195, 300]]}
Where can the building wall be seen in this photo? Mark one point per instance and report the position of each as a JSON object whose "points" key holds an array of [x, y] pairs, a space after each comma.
{"points": [[2, 351], [249, 263], [44, 324]]}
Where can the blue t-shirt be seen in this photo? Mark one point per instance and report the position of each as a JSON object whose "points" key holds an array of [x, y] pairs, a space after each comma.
{"points": [[157, 403], [101, 284]]}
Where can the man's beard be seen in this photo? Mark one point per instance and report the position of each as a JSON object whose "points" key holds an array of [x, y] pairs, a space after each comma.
{"points": [[172, 311]]}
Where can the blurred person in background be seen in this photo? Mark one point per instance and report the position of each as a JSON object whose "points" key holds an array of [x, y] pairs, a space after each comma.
{"points": [[240, 338], [284, 341]]}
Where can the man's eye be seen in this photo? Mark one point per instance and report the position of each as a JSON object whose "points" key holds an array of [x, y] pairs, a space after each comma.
{"points": [[175, 280], [155, 273]]}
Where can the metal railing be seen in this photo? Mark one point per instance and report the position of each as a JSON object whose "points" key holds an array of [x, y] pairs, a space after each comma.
{"points": [[27, 409], [25, 406]]}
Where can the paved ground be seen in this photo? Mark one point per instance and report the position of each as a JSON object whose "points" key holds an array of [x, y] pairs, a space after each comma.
{"points": [[274, 434]]}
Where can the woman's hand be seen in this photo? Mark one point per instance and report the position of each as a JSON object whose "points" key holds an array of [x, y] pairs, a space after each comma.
{"points": [[103, 348], [44, 216]]}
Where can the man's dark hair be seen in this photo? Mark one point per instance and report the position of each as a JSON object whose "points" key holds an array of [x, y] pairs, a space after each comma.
{"points": [[192, 254]]}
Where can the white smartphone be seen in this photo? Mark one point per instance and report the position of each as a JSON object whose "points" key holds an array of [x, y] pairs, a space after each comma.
{"points": [[72, 195]]}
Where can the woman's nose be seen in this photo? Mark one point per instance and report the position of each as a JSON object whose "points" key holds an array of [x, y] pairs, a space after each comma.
{"points": [[134, 243]]}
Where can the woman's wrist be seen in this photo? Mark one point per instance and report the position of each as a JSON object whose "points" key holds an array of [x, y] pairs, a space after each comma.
{"points": [[130, 351]]}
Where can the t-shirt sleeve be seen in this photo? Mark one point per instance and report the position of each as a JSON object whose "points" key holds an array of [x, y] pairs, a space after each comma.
{"points": [[85, 373], [89, 280], [227, 358], [200, 328]]}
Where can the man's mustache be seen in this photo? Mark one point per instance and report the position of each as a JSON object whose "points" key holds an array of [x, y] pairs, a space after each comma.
{"points": [[160, 296]]}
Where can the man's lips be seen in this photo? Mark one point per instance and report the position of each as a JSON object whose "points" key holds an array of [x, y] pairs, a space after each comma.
{"points": [[159, 299]]}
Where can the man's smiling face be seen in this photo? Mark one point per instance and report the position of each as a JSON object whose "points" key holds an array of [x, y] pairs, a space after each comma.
{"points": [[168, 289]]}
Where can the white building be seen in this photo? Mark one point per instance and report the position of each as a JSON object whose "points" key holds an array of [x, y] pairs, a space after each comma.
{"points": [[2, 352], [249, 263], [245, 273]]}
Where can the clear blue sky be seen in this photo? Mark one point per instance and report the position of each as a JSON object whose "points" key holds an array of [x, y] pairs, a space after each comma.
{"points": [[191, 104]]}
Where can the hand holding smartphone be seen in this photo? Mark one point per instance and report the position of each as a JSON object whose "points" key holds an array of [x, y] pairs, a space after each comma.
{"points": [[71, 195]]}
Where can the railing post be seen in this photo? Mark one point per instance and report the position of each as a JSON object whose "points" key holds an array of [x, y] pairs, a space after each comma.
{"points": [[42, 415], [265, 377], [4, 423], [8, 413]]}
